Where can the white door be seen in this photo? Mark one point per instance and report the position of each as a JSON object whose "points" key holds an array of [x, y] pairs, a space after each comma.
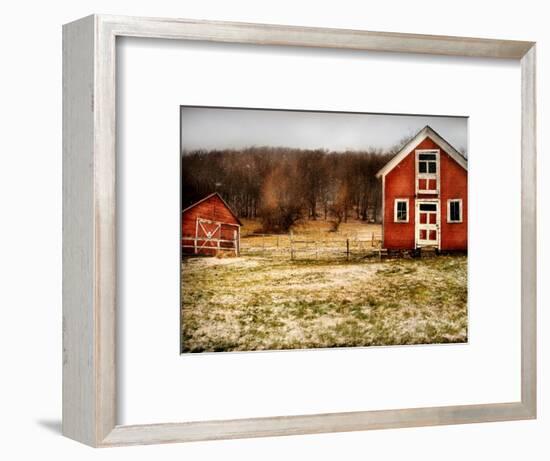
{"points": [[427, 223]]}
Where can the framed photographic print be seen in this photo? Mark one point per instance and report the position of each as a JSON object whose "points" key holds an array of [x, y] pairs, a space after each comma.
{"points": [[297, 235], [268, 230]]}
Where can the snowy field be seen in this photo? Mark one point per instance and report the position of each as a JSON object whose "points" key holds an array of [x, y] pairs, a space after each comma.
{"points": [[259, 302]]}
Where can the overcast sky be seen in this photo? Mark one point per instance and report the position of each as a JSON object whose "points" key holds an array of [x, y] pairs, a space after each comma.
{"points": [[218, 128]]}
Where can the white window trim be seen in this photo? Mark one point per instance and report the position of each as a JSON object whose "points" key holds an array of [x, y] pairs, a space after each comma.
{"points": [[427, 175], [395, 202], [459, 200]]}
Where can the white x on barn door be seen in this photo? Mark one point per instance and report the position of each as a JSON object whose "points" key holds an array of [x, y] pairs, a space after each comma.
{"points": [[208, 234]]}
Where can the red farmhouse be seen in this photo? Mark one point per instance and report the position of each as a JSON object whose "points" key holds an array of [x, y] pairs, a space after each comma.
{"points": [[209, 226], [425, 196]]}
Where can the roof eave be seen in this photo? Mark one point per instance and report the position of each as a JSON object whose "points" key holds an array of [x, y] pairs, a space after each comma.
{"points": [[210, 196], [424, 133]]}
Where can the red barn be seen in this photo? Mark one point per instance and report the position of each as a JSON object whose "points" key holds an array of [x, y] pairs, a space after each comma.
{"points": [[209, 226], [425, 196]]}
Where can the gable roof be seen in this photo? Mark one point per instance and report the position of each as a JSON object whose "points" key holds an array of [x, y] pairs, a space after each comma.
{"points": [[209, 197], [426, 132]]}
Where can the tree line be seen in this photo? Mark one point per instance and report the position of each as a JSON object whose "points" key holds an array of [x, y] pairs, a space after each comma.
{"points": [[280, 185]]}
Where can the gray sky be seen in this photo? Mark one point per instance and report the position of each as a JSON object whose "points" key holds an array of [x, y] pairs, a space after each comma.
{"points": [[218, 128]]}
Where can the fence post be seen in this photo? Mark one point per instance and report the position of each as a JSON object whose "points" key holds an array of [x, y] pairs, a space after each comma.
{"points": [[347, 249], [277, 240], [291, 247], [372, 244], [196, 233], [238, 241]]}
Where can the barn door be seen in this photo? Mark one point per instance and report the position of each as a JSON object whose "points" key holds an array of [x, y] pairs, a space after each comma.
{"points": [[207, 236], [427, 223]]}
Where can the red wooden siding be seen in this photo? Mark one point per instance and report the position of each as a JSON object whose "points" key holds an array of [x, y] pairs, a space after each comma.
{"points": [[399, 183], [223, 226], [454, 185]]}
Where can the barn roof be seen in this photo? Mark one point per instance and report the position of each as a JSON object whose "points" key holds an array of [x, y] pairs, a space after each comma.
{"points": [[426, 132], [209, 197]]}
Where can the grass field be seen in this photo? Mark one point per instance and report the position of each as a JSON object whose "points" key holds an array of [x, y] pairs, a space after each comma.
{"points": [[312, 239], [263, 302]]}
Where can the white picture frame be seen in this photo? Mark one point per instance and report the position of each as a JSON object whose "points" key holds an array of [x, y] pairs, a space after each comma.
{"points": [[89, 230]]}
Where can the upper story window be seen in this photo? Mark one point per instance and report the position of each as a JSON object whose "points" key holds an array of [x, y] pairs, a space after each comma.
{"points": [[427, 171], [427, 163]]}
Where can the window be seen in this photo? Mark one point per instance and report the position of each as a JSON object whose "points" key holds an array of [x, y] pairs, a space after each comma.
{"points": [[428, 207], [427, 163], [454, 210], [427, 171], [401, 210]]}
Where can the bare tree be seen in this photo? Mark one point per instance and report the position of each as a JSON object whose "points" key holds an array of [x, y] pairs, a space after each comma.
{"points": [[281, 203]]}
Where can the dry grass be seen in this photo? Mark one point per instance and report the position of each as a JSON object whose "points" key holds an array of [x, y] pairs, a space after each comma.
{"points": [[352, 228], [312, 239], [260, 303]]}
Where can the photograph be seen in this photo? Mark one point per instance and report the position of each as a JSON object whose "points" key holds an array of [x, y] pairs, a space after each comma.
{"points": [[315, 229]]}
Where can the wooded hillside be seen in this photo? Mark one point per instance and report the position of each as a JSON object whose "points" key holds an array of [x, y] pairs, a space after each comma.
{"points": [[280, 186]]}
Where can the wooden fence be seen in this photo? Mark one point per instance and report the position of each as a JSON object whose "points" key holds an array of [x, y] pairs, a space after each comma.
{"points": [[312, 246], [209, 245]]}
